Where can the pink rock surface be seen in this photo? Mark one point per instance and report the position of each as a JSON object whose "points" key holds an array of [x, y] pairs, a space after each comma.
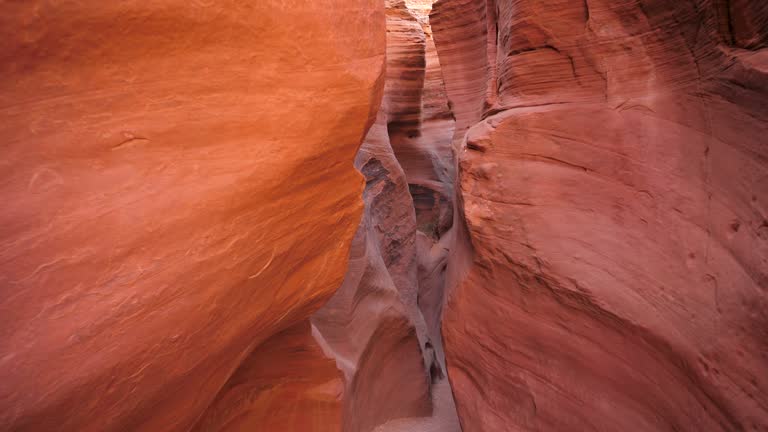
{"points": [[179, 187], [370, 325], [374, 326], [612, 184]]}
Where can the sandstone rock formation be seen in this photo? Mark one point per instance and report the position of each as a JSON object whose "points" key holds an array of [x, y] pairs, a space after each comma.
{"points": [[610, 265], [374, 326], [286, 384], [369, 326], [566, 215], [179, 188], [432, 189]]}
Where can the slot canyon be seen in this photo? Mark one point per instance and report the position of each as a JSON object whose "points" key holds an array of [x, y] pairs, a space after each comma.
{"points": [[384, 215]]}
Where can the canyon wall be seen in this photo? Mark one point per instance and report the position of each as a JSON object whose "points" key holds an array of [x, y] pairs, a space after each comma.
{"points": [[565, 214], [371, 327], [610, 266], [179, 189], [286, 384], [374, 326], [387, 368]]}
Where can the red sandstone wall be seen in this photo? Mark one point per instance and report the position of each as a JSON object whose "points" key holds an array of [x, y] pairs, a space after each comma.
{"points": [[612, 182]]}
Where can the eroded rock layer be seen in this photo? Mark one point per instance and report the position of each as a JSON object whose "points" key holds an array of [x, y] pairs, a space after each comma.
{"points": [[370, 325], [179, 188], [286, 384], [374, 326], [612, 184], [431, 183]]}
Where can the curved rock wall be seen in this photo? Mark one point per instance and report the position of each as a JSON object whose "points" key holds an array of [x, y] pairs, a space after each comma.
{"points": [[179, 188], [374, 326], [286, 384], [612, 184], [181, 202], [370, 325], [430, 182]]}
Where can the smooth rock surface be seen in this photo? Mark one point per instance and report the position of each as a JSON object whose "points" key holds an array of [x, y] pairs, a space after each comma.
{"points": [[612, 184], [179, 187], [370, 325], [286, 384]]}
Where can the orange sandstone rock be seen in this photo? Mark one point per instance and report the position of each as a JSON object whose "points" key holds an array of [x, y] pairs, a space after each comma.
{"points": [[178, 187], [286, 384]]}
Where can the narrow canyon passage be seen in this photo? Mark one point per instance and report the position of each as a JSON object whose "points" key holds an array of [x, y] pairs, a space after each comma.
{"points": [[384, 216], [396, 278], [382, 327]]}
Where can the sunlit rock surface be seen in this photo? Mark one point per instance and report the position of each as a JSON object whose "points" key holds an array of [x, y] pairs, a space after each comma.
{"points": [[179, 188]]}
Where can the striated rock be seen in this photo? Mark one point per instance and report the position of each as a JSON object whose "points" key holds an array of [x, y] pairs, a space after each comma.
{"points": [[374, 326], [424, 150], [390, 383], [370, 325], [465, 38], [419, 121], [404, 87], [179, 189], [286, 384], [432, 190], [610, 265]]}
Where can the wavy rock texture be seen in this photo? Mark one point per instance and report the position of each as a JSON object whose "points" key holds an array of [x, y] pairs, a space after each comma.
{"points": [[179, 189], [374, 326], [431, 181], [286, 384], [612, 182], [369, 326]]}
